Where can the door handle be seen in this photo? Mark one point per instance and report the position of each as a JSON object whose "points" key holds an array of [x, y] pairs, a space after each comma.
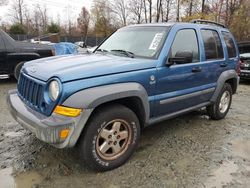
{"points": [[196, 69], [223, 65]]}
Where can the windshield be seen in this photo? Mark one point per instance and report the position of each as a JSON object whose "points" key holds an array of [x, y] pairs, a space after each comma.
{"points": [[142, 42], [9, 38]]}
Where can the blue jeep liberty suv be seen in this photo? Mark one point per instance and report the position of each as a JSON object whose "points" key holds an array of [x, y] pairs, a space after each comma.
{"points": [[141, 75]]}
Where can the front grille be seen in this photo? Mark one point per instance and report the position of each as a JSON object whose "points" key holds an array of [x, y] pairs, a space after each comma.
{"points": [[246, 65], [245, 68], [30, 91]]}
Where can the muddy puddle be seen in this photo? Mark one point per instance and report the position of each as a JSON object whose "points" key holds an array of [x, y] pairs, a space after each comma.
{"points": [[24, 180], [222, 176], [228, 171]]}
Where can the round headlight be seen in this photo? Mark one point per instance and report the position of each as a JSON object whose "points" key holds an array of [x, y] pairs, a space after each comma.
{"points": [[54, 90]]}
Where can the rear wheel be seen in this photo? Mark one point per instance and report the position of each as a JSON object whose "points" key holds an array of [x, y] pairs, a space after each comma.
{"points": [[110, 138], [221, 107], [18, 69]]}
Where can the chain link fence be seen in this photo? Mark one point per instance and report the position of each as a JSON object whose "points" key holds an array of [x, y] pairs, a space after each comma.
{"points": [[90, 41]]}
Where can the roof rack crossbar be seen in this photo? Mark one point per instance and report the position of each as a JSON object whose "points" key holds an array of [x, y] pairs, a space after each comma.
{"points": [[208, 22]]}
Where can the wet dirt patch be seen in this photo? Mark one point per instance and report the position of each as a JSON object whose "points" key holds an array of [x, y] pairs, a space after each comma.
{"points": [[13, 134], [24, 180], [241, 148], [222, 176]]}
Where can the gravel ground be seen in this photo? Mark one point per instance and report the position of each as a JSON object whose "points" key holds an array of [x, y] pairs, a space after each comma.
{"points": [[188, 151]]}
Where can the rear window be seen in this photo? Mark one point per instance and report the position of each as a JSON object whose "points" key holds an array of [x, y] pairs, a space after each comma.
{"points": [[230, 44], [212, 44]]}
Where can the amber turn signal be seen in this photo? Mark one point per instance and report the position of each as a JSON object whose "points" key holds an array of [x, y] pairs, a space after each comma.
{"points": [[67, 111], [64, 133]]}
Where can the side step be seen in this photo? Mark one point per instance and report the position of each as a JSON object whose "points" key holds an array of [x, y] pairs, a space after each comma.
{"points": [[4, 76]]}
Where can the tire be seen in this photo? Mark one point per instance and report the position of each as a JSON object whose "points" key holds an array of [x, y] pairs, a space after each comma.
{"points": [[18, 69], [110, 138], [218, 110]]}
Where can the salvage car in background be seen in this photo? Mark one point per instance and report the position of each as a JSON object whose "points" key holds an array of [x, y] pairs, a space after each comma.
{"points": [[244, 48], [13, 54], [245, 66]]}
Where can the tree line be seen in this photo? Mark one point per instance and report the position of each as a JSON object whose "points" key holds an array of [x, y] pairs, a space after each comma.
{"points": [[105, 16]]}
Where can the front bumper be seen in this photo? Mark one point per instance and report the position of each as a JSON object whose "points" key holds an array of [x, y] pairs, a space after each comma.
{"points": [[245, 74], [46, 128]]}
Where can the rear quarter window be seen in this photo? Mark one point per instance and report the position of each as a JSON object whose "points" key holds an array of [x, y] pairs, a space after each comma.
{"points": [[231, 49], [212, 44]]}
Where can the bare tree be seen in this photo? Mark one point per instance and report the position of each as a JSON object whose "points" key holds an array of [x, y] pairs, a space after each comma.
{"points": [[202, 6], [136, 10], [191, 7], [178, 11], [83, 22], [150, 10], [17, 9], [158, 10], [166, 7], [44, 17], [101, 15], [3, 2], [119, 7], [36, 19], [145, 10]]}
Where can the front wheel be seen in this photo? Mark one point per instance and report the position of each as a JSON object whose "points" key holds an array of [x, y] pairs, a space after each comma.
{"points": [[110, 138], [220, 108]]}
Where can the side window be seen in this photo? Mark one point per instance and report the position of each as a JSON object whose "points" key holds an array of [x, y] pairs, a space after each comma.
{"points": [[230, 44], [185, 42], [212, 44]]}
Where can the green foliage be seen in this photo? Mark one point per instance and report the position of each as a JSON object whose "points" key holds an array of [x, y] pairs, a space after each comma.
{"points": [[17, 29], [53, 28]]}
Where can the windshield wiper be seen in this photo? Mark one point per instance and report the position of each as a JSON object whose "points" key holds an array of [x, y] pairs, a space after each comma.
{"points": [[127, 53]]}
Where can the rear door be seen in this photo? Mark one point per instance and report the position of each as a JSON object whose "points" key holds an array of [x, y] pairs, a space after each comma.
{"points": [[215, 57]]}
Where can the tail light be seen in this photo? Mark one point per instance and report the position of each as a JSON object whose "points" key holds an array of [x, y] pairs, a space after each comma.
{"points": [[238, 67]]}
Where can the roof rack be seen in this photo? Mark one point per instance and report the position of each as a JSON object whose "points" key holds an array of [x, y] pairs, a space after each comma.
{"points": [[208, 22]]}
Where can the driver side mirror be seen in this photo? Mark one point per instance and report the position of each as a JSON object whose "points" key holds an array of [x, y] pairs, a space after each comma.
{"points": [[181, 57]]}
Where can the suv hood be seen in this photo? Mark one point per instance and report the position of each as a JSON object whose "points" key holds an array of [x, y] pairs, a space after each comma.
{"points": [[72, 67]]}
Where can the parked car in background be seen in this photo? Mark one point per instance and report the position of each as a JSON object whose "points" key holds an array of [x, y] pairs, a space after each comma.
{"points": [[13, 54], [92, 49], [81, 44], [244, 48], [245, 66], [140, 75]]}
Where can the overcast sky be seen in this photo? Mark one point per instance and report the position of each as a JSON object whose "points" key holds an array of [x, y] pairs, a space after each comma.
{"points": [[55, 7]]}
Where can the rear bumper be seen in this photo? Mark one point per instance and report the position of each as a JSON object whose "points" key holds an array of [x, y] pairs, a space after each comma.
{"points": [[46, 128]]}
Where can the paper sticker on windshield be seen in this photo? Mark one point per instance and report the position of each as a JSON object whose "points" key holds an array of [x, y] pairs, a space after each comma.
{"points": [[156, 41]]}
